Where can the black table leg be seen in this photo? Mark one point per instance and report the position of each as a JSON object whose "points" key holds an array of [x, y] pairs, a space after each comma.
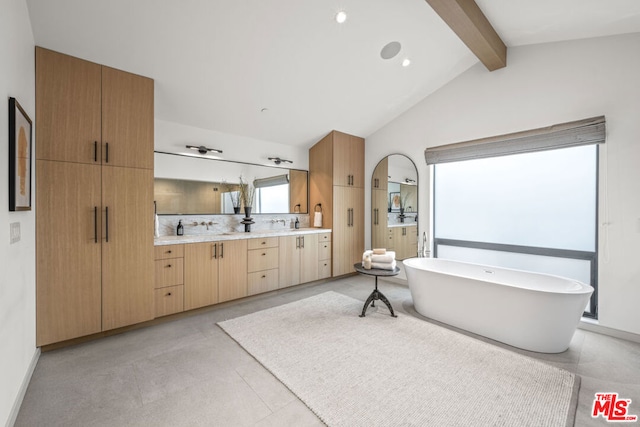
{"points": [[377, 295]]}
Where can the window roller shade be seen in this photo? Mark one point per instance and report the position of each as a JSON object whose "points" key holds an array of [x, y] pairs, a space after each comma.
{"points": [[581, 132]]}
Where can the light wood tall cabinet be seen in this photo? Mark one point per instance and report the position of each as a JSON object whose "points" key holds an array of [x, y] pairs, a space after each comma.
{"points": [[336, 172], [94, 246]]}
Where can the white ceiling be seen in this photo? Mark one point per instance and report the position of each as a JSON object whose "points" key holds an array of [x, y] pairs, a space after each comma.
{"points": [[217, 64]]}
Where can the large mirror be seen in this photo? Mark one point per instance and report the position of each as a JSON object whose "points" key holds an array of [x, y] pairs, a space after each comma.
{"points": [[186, 185], [394, 206]]}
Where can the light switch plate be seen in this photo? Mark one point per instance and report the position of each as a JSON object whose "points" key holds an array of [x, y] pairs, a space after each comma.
{"points": [[15, 232]]}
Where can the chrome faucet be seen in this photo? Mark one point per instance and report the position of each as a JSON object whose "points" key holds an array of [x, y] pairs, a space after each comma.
{"points": [[277, 220]]}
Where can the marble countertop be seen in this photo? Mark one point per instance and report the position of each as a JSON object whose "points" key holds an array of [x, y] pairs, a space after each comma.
{"points": [[235, 235], [403, 224]]}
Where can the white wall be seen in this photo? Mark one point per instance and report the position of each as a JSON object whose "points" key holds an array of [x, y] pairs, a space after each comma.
{"points": [[17, 278], [543, 85], [172, 137]]}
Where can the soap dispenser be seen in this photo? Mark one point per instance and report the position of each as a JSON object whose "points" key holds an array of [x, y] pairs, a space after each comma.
{"points": [[297, 224], [180, 230]]}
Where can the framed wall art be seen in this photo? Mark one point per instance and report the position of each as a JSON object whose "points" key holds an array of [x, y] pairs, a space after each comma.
{"points": [[20, 155]]}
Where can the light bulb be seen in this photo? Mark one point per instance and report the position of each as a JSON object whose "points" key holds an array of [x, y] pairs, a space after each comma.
{"points": [[341, 17]]}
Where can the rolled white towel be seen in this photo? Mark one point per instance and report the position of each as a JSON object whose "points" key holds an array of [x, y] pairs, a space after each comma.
{"points": [[379, 251], [388, 257], [384, 265]]}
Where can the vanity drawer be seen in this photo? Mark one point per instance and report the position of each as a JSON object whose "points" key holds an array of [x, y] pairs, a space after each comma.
{"points": [[324, 269], [263, 281], [169, 300], [262, 259], [169, 251], [265, 242], [324, 250], [169, 272], [324, 237]]}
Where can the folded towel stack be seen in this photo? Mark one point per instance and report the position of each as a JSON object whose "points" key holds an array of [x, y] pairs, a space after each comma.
{"points": [[379, 258]]}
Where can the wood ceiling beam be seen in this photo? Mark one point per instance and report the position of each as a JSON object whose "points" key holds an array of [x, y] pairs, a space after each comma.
{"points": [[466, 19]]}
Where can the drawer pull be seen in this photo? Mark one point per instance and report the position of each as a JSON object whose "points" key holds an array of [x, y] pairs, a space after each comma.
{"points": [[168, 265], [264, 254], [263, 276], [168, 252], [168, 294], [263, 243]]}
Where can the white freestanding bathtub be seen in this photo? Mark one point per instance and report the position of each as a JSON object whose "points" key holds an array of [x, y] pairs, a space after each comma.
{"points": [[533, 311]]}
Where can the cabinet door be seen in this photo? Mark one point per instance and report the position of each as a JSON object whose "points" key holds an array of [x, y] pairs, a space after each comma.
{"points": [[341, 153], [356, 161], [348, 228], [379, 218], [309, 258], [127, 248], [127, 119], [200, 274], [289, 261], [381, 175], [232, 276], [67, 108], [68, 291]]}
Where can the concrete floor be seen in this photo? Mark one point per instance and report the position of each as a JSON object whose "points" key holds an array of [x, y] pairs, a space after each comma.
{"points": [[187, 372]]}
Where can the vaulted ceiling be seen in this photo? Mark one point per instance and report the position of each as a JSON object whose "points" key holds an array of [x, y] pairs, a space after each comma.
{"points": [[284, 70]]}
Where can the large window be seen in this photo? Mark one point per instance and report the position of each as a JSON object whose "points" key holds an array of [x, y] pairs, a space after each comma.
{"points": [[534, 211]]}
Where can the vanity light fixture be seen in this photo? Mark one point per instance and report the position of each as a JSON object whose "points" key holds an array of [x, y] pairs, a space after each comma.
{"points": [[278, 160], [341, 17], [204, 150], [410, 181]]}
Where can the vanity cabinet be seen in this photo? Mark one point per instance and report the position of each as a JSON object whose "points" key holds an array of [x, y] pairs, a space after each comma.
{"points": [[324, 255], [336, 173], [214, 272], [404, 241], [169, 279], [298, 259], [263, 265], [94, 193]]}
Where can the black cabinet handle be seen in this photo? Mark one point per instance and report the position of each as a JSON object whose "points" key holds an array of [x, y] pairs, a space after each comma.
{"points": [[95, 151], [215, 250], [263, 276], [95, 224], [107, 153], [168, 294], [106, 215], [168, 252], [221, 250], [168, 265], [263, 254], [302, 242]]}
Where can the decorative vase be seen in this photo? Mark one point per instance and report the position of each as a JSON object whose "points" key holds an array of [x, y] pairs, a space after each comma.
{"points": [[401, 216], [247, 220], [236, 210]]}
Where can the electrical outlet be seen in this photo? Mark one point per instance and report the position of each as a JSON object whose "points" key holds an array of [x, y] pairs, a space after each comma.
{"points": [[15, 232]]}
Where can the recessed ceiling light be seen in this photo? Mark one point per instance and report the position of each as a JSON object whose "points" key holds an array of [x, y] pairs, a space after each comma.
{"points": [[341, 17], [406, 62], [390, 50]]}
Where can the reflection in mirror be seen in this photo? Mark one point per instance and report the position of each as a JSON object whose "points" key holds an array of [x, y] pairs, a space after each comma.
{"points": [[195, 185], [394, 206]]}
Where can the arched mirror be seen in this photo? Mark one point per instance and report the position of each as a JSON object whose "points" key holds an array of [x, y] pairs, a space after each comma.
{"points": [[394, 206]]}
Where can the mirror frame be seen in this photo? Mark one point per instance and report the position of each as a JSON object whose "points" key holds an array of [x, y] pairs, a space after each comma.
{"points": [[373, 188], [249, 164]]}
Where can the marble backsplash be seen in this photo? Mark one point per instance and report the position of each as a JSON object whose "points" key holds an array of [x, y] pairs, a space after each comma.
{"points": [[217, 224]]}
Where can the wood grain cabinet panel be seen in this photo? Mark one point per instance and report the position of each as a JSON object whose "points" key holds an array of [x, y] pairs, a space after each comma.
{"points": [[169, 272], [169, 251], [169, 300], [263, 281], [233, 270], [68, 287], [200, 274], [127, 119], [265, 242], [262, 259], [127, 249], [68, 110]]}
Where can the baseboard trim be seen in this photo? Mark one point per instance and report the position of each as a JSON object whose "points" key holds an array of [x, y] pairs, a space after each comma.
{"points": [[13, 415], [593, 326]]}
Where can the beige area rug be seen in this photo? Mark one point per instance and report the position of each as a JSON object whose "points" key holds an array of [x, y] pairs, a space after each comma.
{"points": [[384, 371]]}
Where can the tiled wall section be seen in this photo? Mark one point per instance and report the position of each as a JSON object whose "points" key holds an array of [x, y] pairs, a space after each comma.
{"points": [[217, 224]]}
